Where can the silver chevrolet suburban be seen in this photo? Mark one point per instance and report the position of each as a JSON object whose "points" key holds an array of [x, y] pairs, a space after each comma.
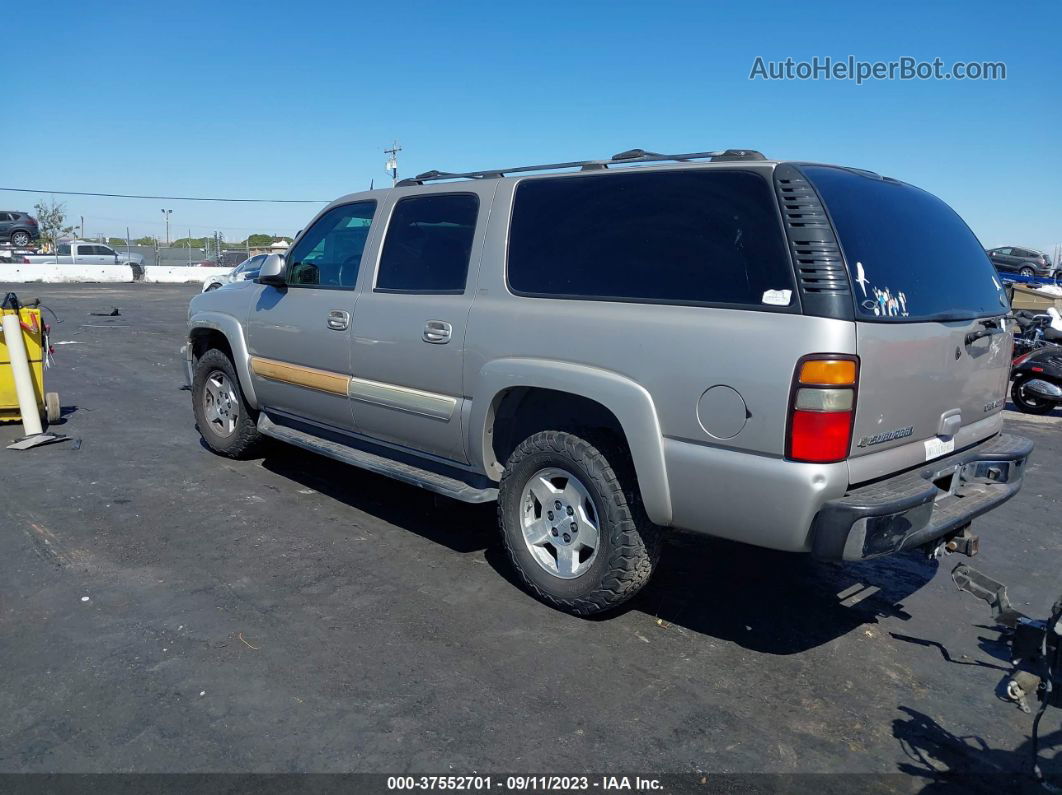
{"points": [[798, 356]]}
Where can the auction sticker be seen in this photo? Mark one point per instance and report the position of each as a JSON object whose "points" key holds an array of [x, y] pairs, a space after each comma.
{"points": [[935, 448]]}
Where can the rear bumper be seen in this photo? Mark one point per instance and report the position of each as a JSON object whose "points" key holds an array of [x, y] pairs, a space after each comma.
{"points": [[913, 508]]}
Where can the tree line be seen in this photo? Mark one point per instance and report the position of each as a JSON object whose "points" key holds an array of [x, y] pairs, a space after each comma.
{"points": [[51, 220]]}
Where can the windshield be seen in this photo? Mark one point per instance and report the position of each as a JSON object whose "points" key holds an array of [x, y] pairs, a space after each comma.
{"points": [[911, 257]]}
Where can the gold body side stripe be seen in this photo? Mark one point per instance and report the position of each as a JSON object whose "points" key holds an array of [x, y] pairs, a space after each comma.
{"points": [[297, 375], [415, 401]]}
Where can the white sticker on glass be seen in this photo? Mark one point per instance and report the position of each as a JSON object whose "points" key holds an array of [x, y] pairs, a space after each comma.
{"points": [[777, 297]]}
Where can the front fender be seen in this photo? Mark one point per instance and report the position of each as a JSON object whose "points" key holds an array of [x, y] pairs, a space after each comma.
{"points": [[626, 399], [231, 328]]}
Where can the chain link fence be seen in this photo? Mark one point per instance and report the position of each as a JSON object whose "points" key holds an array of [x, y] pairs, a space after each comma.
{"points": [[174, 256]]}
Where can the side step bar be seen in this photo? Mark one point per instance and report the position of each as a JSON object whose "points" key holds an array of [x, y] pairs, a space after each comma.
{"points": [[381, 465]]}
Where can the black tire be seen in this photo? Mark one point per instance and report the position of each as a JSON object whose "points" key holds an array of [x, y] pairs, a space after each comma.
{"points": [[628, 543], [1027, 271], [244, 437], [1029, 405], [20, 238]]}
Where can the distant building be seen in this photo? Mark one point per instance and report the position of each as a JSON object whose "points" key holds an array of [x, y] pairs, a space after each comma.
{"points": [[276, 247]]}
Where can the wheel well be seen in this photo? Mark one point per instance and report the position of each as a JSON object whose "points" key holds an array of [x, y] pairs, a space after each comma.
{"points": [[203, 339], [521, 412]]}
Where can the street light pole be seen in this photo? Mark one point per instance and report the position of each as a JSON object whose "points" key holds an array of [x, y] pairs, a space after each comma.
{"points": [[166, 215]]}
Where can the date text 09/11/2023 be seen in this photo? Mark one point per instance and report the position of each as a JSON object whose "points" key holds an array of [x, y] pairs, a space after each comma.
{"points": [[524, 783]]}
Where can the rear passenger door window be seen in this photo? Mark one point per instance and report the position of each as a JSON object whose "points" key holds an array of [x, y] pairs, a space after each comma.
{"points": [[329, 253], [699, 237], [428, 244]]}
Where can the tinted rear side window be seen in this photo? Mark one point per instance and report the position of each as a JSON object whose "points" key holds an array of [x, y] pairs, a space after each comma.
{"points": [[684, 237], [428, 244], [910, 255]]}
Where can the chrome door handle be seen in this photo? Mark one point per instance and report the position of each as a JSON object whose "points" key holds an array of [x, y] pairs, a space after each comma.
{"points": [[338, 320], [437, 331]]}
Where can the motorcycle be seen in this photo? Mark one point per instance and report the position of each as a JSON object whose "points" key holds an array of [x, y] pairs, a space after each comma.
{"points": [[1036, 380], [1035, 330]]}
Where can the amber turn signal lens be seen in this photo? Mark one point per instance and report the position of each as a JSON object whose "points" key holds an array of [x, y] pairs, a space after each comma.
{"points": [[828, 371]]}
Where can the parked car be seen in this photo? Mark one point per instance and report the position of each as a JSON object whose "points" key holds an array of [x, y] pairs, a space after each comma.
{"points": [[555, 342], [248, 269], [1024, 261], [81, 252], [18, 228]]}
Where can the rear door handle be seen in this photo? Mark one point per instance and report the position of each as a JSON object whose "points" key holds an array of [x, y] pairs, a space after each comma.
{"points": [[973, 336], [437, 331], [338, 320]]}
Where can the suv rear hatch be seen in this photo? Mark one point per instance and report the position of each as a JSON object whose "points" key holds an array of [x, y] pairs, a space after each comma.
{"points": [[934, 359]]}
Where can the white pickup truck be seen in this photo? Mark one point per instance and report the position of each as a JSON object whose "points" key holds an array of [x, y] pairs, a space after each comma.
{"points": [[80, 252]]}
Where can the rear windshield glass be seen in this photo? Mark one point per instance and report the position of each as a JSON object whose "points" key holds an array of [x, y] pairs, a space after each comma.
{"points": [[910, 255], [705, 236]]}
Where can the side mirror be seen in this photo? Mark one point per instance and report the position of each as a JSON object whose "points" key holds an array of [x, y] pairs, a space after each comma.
{"points": [[274, 270]]}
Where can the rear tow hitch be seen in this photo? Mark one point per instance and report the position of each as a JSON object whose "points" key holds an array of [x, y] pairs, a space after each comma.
{"points": [[961, 542]]}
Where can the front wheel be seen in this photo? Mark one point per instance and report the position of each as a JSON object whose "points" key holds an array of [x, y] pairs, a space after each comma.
{"points": [[1027, 272], [1029, 404], [224, 419], [20, 239], [579, 541]]}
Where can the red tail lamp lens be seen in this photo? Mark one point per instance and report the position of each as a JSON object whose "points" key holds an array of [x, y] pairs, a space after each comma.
{"points": [[820, 436]]}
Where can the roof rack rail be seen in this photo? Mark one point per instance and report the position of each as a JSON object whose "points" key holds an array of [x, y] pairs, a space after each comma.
{"points": [[623, 158]]}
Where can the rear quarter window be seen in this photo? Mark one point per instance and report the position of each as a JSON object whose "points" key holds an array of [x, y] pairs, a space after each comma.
{"points": [[910, 256], [701, 237]]}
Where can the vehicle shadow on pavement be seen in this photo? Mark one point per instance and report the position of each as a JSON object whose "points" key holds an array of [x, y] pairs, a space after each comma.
{"points": [[775, 602], [948, 761], [461, 527]]}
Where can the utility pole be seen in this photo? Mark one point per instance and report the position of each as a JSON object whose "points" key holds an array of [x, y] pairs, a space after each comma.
{"points": [[166, 215], [82, 227], [392, 161]]}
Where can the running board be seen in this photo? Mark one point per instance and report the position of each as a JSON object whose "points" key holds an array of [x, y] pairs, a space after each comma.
{"points": [[381, 465]]}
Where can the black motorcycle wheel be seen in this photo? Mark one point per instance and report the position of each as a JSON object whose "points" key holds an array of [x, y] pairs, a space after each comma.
{"points": [[1028, 403]]}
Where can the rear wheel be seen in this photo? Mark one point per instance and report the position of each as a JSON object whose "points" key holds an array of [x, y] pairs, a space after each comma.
{"points": [[1030, 404], [20, 238], [225, 421], [578, 539]]}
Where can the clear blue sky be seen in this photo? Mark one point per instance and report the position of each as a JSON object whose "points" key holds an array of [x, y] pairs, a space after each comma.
{"points": [[298, 100]]}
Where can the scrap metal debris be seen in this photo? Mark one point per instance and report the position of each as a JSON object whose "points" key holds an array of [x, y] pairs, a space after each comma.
{"points": [[37, 440]]}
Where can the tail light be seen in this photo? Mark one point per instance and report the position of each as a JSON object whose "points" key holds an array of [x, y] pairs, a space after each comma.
{"points": [[1021, 359], [32, 220], [822, 408]]}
